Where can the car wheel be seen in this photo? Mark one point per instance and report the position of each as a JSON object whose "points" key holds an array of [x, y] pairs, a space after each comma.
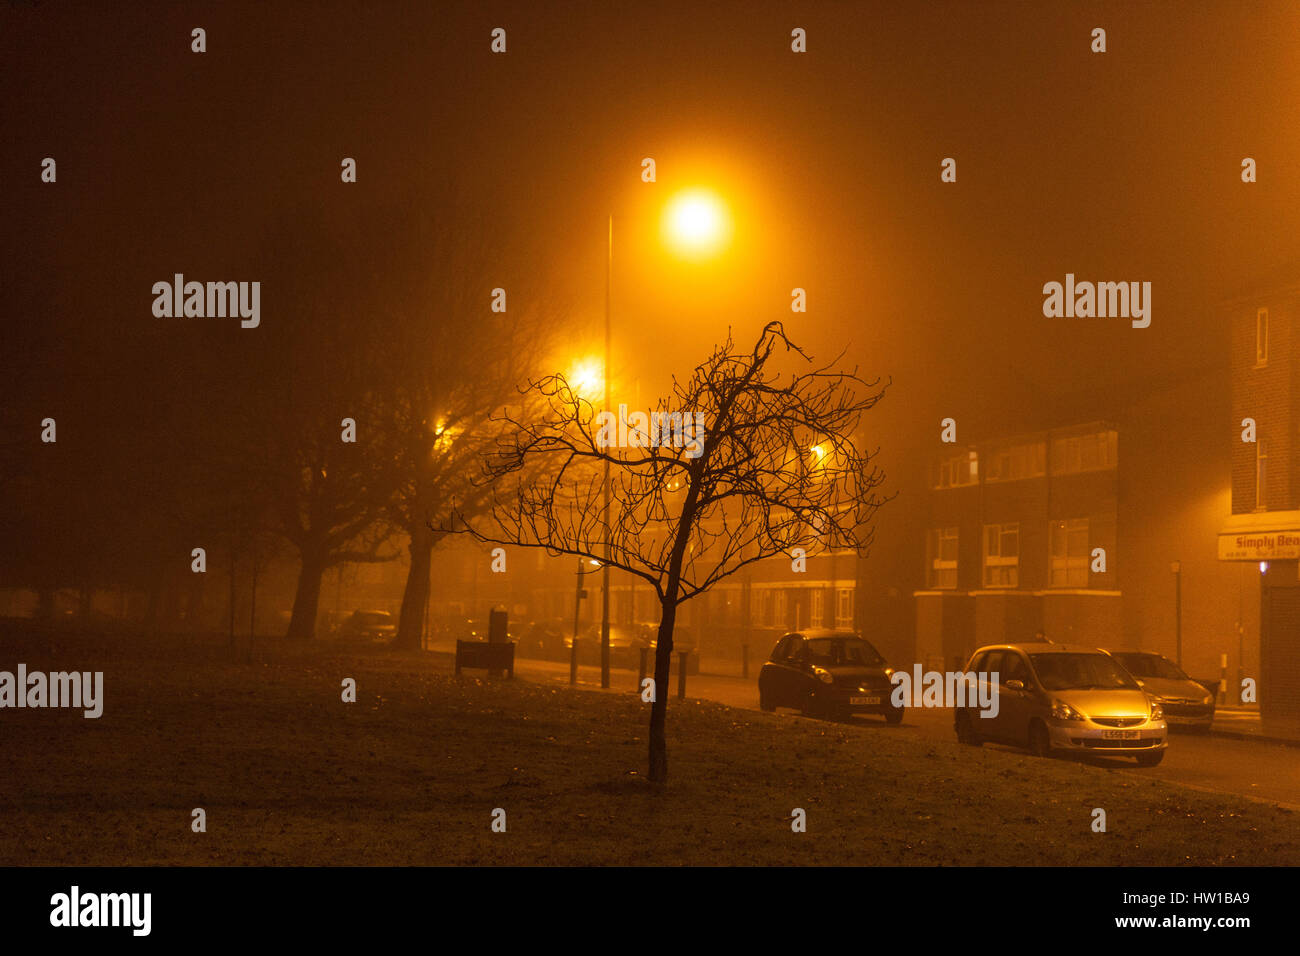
{"points": [[812, 706], [966, 730], [894, 716], [765, 701], [1040, 742], [1151, 759]]}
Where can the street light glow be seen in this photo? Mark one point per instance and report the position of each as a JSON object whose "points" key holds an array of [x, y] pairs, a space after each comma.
{"points": [[585, 379], [696, 223]]}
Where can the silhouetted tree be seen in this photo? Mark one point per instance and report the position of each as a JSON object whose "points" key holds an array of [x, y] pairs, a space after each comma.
{"points": [[777, 467], [317, 362], [452, 364]]}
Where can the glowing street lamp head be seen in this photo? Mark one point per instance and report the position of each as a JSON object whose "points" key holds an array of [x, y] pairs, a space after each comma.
{"points": [[696, 223], [586, 380]]}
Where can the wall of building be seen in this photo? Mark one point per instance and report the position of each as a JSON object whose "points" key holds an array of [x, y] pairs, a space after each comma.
{"points": [[1177, 471], [1266, 394]]}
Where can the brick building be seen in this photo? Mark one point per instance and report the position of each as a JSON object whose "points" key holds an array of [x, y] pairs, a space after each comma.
{"points": [[1020, 538], [1263, 528]]}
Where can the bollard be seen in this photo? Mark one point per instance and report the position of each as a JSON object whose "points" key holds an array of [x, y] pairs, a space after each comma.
{"points": [[573, 662], [640, 677], [744, 661], [681, 674]]}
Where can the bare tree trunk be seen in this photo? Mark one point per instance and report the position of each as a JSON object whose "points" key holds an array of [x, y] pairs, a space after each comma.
{"points": [[306, 601], [659, 708], [415, 597]]}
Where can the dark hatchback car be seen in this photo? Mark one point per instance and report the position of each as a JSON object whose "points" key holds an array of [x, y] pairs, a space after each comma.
{"points": [[828, 674]]}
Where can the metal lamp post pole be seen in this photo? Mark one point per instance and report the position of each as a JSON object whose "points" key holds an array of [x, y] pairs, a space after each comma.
{"points": [[604, 567], [1178, 612]]}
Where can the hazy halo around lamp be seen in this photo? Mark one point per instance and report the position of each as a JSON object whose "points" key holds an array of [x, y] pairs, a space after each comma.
{"points": [[696, 224], [586, 380]]}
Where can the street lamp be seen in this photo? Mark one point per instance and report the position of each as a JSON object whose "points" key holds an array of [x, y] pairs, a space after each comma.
{"points": [[696, 225]]}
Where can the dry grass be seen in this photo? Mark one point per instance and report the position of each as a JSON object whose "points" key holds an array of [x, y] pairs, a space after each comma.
{"points": [[410, 774]]}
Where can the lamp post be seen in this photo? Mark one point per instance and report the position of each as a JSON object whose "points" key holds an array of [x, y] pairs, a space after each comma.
{"points": [[697, 225], [604, 567], [1177, 568]]}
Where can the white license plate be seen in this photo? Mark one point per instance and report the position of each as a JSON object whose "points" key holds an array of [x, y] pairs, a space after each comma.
{"points": [[1119, 735], [866, 701]]}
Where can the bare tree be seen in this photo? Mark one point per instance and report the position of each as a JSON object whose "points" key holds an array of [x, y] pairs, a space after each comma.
{"points": [[451, 365], [740, 464]]}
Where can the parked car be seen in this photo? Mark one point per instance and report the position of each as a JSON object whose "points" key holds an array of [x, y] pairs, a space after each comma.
{"points": [[827, 673], [684, 639], [625, 643], [1064, 698], [369, 626], [541, 639], [474, 629], [1186, 702]]}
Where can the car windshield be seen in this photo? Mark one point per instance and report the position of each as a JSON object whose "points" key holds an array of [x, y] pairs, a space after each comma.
{"points": [[829, 651], [1151, 665], [1066, 671], [373, 617]]}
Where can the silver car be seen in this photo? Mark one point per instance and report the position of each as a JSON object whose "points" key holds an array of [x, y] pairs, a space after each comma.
{"points": [[1064, 698]]}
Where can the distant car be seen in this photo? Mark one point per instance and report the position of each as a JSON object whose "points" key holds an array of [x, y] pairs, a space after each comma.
{"points": [[541, 639], [625, 643], [827, 673], [684, 640], [369, 626], [1186, 703], [1063, 698], [473, 629]]}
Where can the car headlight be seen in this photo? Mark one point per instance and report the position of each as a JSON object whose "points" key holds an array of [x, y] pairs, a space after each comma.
{"points": [[823, 675], [1063, 711], [1157, 710]]}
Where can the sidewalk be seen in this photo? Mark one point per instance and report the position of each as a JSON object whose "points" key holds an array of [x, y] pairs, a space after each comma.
{"points": [[1245, 723]]}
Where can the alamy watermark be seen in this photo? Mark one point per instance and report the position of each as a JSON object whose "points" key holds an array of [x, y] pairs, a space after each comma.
{"points": [[946, 689], [75, 908], [75, 689], [1086, 300], [653, 430], [212, 300]]}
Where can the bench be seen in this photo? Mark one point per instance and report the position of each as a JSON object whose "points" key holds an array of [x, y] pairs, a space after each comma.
{"points": [[492, 656]]}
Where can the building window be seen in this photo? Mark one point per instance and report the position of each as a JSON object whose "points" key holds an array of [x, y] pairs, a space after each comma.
{"points": [[1069, 556], [778, 608], [958, 471], [1261, 338], [1092, 452], [941, 559], [1261, 475], [818, 608], [1002, 555], [844, 607], [1015, 462]]}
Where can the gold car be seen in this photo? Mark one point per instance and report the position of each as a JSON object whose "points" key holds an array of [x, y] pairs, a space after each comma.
{"points": [[1063, 698]]}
